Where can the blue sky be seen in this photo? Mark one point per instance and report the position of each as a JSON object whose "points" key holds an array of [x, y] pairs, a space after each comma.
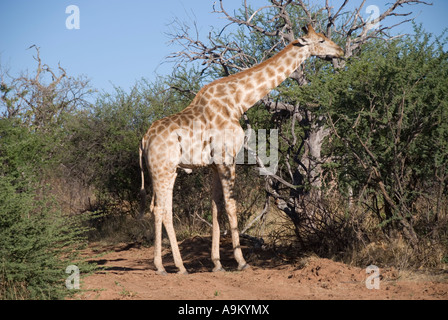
{"points": [[120, 42]]}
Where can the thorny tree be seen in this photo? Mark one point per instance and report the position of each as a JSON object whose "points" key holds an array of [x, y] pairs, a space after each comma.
{"points": [[260, 33], [41, 100]]}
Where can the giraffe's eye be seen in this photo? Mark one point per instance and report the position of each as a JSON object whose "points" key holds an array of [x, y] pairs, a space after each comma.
{"points": [[322, 41]]}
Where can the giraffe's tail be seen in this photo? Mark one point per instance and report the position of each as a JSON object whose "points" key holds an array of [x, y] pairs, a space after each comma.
{"points": [[142, 189]]}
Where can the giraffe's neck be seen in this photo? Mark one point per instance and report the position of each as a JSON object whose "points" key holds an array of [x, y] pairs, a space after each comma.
{"points": [[237, 93], [261, 79]]}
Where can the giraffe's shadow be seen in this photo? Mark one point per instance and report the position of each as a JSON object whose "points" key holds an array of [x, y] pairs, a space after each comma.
{"points": [[196, 255], [195, 251]]}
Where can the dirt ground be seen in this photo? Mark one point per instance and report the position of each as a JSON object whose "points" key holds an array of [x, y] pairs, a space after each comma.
{"points": [[128, 273]]}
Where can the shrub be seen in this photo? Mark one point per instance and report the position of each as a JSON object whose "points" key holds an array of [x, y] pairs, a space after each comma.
{"points": [[37, 241]]}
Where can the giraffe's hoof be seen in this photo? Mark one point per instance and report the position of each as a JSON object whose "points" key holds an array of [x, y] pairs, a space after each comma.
{"points": [[243, 267], [162, 273], [220, 269], [183, 272]]}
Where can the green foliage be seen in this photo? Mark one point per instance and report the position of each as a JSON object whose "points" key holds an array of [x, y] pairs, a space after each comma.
{"points": [[37, 241]]}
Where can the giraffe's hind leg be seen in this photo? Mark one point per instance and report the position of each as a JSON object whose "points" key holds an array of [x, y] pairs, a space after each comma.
{"points": [[163, 213], [158, 214]]}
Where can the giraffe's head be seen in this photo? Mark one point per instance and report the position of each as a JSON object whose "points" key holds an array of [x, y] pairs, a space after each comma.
{"points": [[319, 45]]}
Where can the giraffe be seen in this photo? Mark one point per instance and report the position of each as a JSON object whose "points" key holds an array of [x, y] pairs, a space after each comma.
{"points": [[208, 133]]}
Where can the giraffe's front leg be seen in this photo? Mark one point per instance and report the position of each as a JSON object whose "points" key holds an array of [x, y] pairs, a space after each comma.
{"points": [[231, 211], [227, 177], [216, 210]]}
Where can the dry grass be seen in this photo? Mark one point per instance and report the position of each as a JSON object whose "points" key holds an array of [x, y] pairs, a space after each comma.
{"points": [[399, 254], [353, 235]]}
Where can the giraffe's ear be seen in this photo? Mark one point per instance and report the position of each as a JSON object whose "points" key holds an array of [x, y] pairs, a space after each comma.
{"points": [[302, 41]]}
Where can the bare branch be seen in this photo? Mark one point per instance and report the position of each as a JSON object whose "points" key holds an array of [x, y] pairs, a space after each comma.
{"points": [[39, 102], [255, 28], [364, 27], [191, 92]]}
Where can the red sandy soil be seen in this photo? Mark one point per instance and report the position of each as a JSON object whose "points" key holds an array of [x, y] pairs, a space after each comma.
{"points": [[128, 273]]}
